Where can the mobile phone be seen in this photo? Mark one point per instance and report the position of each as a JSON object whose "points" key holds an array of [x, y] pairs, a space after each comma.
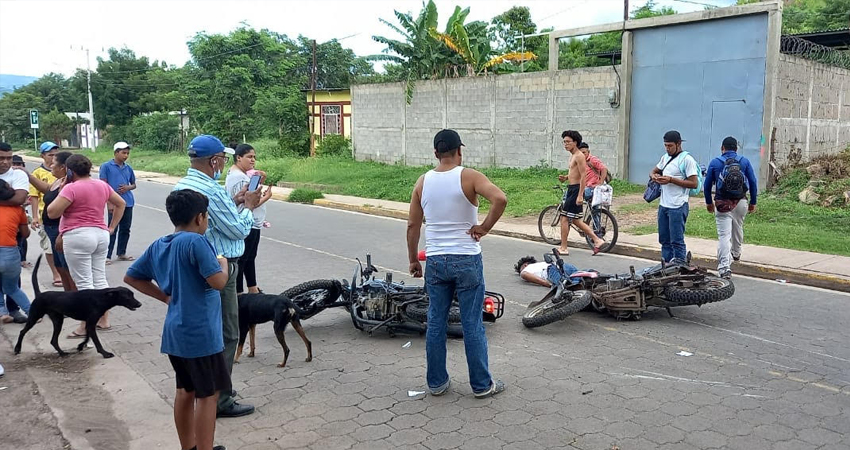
{"points": [[254, 183]]}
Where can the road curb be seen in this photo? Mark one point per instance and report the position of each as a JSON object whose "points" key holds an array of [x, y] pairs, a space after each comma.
{"points": [[807, 278]]}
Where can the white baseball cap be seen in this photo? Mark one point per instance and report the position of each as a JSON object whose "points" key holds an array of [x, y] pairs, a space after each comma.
{"points": [[120, 146]]}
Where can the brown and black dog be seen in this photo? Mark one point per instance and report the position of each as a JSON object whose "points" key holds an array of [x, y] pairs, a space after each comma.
{"points": [[86, 305], [255, 309]]}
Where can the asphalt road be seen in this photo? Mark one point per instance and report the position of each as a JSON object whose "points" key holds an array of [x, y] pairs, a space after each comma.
{"points": [[770, 367]]}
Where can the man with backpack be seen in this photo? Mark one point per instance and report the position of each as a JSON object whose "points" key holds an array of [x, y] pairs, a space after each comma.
{"points": [[733, 175], [678, 174]]}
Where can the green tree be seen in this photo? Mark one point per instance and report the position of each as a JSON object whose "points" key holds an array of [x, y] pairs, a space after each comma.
{"points": [[419, 54], [803, 16], [157, 130], [56, 92], [578, 52], [14, 115], [281, 112], [120, 86], [336, 66], [507, 28], [55, 126], [228, 72]]}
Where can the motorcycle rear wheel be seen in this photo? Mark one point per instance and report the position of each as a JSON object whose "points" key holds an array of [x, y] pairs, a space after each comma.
{"points": [[550, 311], [713, 289], [314, 292]]}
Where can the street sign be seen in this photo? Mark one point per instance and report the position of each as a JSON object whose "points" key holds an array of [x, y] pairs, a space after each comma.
{"points": [[33, 118]]}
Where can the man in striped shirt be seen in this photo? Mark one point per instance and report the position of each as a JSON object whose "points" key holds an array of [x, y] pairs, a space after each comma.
{"points": [[228, 227]]}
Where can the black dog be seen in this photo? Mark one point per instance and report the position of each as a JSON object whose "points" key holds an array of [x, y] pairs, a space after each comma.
{"points": [[261, 308], [87, 305]]}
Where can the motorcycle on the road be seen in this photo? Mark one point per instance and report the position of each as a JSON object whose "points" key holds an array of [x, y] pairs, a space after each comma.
{"points": [[629, 295], [375, 303]]}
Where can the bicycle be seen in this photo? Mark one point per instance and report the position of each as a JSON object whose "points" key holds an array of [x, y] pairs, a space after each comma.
{"points": [[599, 218]]}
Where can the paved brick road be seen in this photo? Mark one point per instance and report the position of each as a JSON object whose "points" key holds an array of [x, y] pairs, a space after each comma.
{"points": [[770, 368]]}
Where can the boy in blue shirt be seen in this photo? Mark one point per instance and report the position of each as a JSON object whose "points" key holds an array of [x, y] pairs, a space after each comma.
{"points": [[120, 176], [188, 277]]}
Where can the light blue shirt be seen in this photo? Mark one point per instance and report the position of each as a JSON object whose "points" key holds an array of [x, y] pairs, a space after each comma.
{"points": [[228, 227]]}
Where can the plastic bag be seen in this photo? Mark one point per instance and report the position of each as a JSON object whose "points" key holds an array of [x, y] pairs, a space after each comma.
{"points": [[602, 195]]}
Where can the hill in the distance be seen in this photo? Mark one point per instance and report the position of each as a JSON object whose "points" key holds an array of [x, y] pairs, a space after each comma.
{"points": [[8, 83]]}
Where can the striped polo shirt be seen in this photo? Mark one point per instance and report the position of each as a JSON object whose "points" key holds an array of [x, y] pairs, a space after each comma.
{"points": [[228, 227]]}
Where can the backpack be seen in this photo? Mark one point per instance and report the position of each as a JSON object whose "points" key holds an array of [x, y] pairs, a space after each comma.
{"points": [[700, 172], [732, 183]]}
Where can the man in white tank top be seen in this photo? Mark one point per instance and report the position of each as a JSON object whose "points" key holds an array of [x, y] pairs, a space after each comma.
{"points": [[447, 199]]}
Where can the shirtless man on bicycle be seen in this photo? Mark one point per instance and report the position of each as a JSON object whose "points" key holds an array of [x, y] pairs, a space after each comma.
{"points": [[573, 201]]}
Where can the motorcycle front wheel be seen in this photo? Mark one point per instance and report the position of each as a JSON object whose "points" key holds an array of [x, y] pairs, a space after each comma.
{"points": [[712, 289], [554, 310]]}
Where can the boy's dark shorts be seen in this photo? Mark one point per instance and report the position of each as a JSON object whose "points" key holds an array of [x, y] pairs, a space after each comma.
{"points": [[204, 376], [569, 207]]}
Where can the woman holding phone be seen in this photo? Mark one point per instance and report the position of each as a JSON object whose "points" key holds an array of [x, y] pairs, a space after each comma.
{"points": [[244, 176], [83, 232]]}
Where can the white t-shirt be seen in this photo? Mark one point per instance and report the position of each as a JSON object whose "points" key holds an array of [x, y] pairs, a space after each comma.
{"points": [[674, 196], [235, 181], [537, 269], [17, 179]]}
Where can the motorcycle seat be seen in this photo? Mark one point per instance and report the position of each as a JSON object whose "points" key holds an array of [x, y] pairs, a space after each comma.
{"points": [[584, 274]]}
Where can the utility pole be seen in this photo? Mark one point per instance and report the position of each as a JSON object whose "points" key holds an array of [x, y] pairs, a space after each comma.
{"points": [[91, 135], [625, 10], [313, 103]]}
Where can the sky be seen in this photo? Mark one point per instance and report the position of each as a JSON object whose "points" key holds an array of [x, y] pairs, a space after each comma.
{"points": [[43, 36]]}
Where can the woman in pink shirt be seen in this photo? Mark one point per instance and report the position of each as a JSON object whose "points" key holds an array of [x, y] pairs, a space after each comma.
{"points": [[83, 234]]}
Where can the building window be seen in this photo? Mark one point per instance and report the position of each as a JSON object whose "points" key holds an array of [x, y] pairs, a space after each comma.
{"points": [[331, 119]]}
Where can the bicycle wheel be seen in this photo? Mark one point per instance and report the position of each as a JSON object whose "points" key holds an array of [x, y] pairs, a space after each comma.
{"points": [[604, 225], [549, 225]]}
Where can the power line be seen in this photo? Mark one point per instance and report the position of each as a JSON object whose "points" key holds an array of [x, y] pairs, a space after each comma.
{"points": [[562, 11], [697, 3], [206, 58]]}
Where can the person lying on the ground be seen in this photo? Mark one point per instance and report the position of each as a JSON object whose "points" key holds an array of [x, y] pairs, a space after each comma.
{"points": [[543, 273]]}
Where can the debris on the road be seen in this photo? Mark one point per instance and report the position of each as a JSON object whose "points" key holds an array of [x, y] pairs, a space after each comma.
{"points": [[415, 393], [406, 345], [780, 280], [4, 388], [587, 392], [684, 353]]}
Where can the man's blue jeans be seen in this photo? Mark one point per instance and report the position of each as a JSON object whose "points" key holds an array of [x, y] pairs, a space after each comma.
{"points": [[446, 275], [10, 275], [671, 231], [122, 233]]}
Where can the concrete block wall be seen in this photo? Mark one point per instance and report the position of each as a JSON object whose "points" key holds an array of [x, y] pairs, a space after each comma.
{"points": [[505, 121], [812, 111]]}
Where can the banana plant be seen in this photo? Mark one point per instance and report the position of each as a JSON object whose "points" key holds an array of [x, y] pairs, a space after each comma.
{"points": [[419, 54], [471, 42]]}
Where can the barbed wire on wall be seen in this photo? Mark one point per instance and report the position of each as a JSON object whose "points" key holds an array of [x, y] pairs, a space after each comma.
{"points": [[793, 45]]}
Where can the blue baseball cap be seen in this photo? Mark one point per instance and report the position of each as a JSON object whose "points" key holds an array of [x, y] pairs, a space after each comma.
{"points": [[46, 146], [207, 145]]}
